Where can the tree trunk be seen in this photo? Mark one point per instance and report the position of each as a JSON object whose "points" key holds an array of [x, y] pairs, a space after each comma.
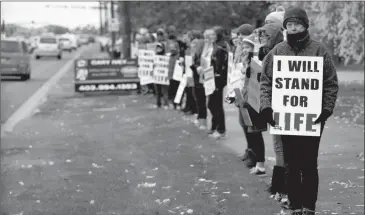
{"points": [[125, 28]]}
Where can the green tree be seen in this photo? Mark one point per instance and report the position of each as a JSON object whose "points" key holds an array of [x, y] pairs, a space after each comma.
{"points": [[56, 29]]}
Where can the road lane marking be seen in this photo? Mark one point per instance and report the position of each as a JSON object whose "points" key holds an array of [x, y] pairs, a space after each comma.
{"points": [[27, 108]]}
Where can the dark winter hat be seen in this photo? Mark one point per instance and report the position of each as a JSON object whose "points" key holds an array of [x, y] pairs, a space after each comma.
{"points": [[160, 30], [196, 34], [296, 14], [245, 29]]}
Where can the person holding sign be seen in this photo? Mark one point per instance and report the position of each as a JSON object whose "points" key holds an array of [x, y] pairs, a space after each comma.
{"points": [[173, 49], [270, 35], [300, 151], [201, 60], [220, 66], [254, 156], [161, 90]]}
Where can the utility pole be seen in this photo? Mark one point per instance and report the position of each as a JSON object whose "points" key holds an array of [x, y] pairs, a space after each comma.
{"points": [[106, 17], [101, 6], [112, 19], [125, 28]]}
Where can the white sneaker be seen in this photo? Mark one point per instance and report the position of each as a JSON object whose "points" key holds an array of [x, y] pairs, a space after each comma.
{"points": [[196, 122], [166, 107], [217, 135], [258, 171], [202, 127]]}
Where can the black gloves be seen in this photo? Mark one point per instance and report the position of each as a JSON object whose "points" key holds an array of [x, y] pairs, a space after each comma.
{"points": [[266, 115], [323, 116], [230, 100], [263, 51]]}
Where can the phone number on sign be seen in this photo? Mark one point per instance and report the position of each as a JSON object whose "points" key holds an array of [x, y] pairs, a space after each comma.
{"points": [[101, 87]]}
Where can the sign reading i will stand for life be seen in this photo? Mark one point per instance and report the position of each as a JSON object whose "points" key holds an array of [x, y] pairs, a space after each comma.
{"points": [[297, 87], [145, 69], [161, 70]]}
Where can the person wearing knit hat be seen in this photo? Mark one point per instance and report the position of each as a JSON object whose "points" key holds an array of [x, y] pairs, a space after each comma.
{"points": [[269, 35], [254, 152], [276, 17], [244, 30], [161, 35], [161, 90], [300, 152]]}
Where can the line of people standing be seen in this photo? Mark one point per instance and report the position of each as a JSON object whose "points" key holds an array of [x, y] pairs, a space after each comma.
{"points": [[294, 182]]}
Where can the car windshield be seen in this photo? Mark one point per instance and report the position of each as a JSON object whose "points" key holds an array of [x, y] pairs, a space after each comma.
{"points": [[48, 40], [10, 46], [64, 39]]}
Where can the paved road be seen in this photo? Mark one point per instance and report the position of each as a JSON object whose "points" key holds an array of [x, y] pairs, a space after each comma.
{"points": [[15, 92]]}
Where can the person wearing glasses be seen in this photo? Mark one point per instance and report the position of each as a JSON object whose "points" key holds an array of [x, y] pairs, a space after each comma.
{"points": [[278, 182]]}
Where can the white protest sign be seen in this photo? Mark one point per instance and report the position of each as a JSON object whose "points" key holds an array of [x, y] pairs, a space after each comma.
{"points": [[178, 72], [297, 88], [236, 80], [180, 90], [114, 25], [161, 70], [145, 63], [209, 82], [188, 63], [229, 71]]}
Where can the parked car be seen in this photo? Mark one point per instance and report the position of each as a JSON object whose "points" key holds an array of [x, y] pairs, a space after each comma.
{"points": [[66, 44], [15, 58], [48, 46]]}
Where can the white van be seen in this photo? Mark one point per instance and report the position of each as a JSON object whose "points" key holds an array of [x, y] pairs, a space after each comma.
{"points": [[73, 39]]}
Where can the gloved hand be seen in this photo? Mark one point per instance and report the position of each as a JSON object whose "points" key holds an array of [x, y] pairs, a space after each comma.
{"points": [[323, 116], [230, 100], [266, 114], [248, 73]]}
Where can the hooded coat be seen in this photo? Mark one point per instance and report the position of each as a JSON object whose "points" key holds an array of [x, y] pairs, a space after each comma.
{"points": [[309, 48], [219, 59]]}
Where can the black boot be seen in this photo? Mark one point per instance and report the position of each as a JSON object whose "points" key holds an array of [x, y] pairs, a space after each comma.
{"points": [[278, 181], [251, 159], [245, 156]]}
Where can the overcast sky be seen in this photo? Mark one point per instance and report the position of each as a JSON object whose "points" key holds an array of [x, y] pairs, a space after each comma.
{"points": [[26, 12]]}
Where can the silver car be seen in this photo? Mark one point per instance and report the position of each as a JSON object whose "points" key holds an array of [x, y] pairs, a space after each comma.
{"points": [[48, 46]]}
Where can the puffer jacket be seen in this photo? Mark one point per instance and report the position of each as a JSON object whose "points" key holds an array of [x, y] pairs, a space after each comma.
{"points": [[310, 48]]}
